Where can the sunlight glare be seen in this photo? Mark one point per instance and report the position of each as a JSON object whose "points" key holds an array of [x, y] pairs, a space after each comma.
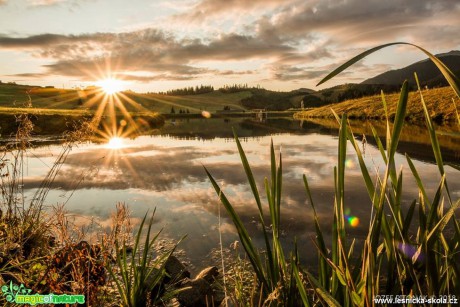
{"points": [[110, 86], [115, 143]]}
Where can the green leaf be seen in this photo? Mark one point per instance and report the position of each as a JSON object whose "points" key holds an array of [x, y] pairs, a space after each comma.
{"points": [[352, 61], [300, 285], [399, 121], [323, 267], [429, 124], [326, 296]]}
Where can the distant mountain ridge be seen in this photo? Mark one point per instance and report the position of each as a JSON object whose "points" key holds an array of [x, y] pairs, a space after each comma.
{"points": [[428, 74]]}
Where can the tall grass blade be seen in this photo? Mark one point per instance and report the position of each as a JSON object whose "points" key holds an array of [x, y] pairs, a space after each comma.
{"points": [[328, 298], [324, 272], [387, 121], [437, 153], [242, 233], [352, 61], [379, 144], [362, 165], [439, 227], [431, 131], [255, 193], [300, 285], [456, 112], [408, 219], [248, 171], [399, 121], [418, 180], [342, 156]]}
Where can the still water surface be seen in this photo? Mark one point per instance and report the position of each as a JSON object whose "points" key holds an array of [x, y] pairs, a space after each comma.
{"points": [[165, 171]]}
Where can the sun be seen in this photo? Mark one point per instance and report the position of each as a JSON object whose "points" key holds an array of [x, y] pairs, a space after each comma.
{"points": [[110, 86], [115, 143]]}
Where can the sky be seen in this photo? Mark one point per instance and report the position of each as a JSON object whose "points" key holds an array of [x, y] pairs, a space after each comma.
{"points": [[157, 45]]}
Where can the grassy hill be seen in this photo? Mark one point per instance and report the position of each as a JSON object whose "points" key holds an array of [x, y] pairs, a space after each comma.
{"points": [[71, 102], [14, 98], [428, 74], [210, 102], [344, 92], [439, 102]]}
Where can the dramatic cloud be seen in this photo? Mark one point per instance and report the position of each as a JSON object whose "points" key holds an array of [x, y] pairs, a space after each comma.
{"points": [[283, 41], [147, 50], [43, 40], [207, 9], [360, 20]]}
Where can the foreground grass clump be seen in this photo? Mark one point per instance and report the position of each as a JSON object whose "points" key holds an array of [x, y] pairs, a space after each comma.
{"points": [[42, 251], [30, 253], [401, 255], [140, 274]]}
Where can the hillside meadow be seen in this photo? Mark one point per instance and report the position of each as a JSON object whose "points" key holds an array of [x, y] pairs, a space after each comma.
{"points": [[440, 103], [14, 98]]}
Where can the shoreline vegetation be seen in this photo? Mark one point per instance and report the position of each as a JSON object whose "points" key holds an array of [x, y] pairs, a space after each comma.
{"points": [[407, 251]]}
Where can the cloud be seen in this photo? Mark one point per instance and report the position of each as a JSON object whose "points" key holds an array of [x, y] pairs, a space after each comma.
{"points": [[30, 75], [300, 72], [35, 41], [291, 40], [151, 50], [348, 22], [360, 20], [44, 2], [49, 3], [231, 47], [287, 73], [207, 9], [194, 73]]}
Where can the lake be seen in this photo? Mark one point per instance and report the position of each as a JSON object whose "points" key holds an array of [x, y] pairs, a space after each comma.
{"points": [[164, 170]]}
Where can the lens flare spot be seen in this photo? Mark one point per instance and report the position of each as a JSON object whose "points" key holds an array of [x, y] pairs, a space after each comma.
{"points": [[353, 221], [206, 114], [410, 251], [123, 123], [115, 143], [349, 163]]}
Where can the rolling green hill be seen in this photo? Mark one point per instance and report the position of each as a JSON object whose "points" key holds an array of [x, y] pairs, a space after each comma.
{"points": [[13, 98]]}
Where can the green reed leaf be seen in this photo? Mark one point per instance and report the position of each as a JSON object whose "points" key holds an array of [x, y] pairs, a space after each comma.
{"points": [[246, 241]]}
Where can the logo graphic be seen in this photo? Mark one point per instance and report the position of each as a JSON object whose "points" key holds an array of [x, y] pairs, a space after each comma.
{"points": [[22, 295]]}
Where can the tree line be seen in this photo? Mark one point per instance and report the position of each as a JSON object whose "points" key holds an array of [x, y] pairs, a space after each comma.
{"points": [[202, 89]]}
